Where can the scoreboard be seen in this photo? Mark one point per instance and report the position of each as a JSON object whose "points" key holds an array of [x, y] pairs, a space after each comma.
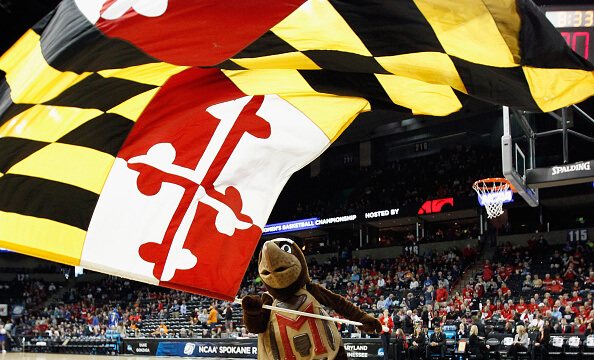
{"points": [[576, 25]]}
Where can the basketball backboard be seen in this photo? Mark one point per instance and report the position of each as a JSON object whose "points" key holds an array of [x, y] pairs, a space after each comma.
{"points": [[517, 153], [519, 145]]}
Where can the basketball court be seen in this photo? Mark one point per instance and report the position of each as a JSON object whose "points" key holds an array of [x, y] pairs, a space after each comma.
{"points": [[43, 356]]}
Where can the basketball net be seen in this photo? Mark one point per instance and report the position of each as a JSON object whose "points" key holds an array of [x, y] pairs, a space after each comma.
{"points": [[493, 193]]}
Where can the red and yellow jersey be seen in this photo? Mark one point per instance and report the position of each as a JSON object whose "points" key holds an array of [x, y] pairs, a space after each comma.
{"points": [[298, 337]]}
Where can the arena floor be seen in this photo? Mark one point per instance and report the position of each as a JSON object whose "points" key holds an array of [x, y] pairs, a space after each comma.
{"points": [[42, 356]]}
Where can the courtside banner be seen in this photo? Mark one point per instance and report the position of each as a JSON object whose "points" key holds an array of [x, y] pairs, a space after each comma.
{"points": [[364, 348], [226, 349], [232, 348], [150, 139], [219, 348], [140, 346]]}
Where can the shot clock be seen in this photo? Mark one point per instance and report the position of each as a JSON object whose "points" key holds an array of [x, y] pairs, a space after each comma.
{"points": [[576, 25], [571, 18]]}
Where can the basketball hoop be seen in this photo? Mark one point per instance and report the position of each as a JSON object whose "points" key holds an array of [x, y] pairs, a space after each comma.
{"points": [[492, 193]]}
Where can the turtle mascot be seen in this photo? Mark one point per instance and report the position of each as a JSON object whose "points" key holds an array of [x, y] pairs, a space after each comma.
{"points": [[283, 336]]}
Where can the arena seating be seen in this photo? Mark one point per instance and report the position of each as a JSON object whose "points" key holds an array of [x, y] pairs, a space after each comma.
{"points": [[62, 315]]}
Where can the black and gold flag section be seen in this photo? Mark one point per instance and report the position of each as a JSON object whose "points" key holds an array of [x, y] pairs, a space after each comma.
{"points": [[418, 56]]}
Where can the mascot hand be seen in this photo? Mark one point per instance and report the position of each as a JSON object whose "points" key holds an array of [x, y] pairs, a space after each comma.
{"points": [[370, 325], [251, 304]]}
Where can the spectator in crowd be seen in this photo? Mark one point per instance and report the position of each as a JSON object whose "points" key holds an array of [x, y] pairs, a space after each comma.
{"points": [[462, 331], [476, 345], [387, 326], [212, 317], [203, 316], [183, 309], [381, 302], [536, 282], [161, 331], [175, 309], [407, 322], [437, 342], [542, 342], [417, 344], [121, 329], [2, 335], [429, 295], [389, 301], [441, 295], [520, 344], [401, 344], [480, 327], [228, 315]]}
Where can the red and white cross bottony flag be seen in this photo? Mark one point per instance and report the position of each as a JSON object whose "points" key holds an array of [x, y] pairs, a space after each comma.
{"points": [[204, 163]]}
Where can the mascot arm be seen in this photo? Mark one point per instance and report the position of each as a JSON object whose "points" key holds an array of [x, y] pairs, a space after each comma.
{"points": [[344, 308], [255, 317]]}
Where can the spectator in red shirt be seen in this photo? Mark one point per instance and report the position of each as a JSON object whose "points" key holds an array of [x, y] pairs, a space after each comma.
{"points": [[570, 274], [487, 274], [491, 306], [533, 306], [548, 300], [576, 298], [441, 295], [486, 312], [555, 287], [456, 300], [572, 261], [532, 243], [468, 291], [443, 311], [579, 326], [387, 322], [508, 270], [468, 251], [590, 316], [547, 281], [521, 306], [564, 299], [497, 307], [506, 313], [480, 287], [558, 279]]}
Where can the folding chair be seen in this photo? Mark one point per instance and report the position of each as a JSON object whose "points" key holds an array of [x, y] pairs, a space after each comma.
{"points": [[556, 347], [505, 345], [573, 348], [588, 348], [494, 344]]}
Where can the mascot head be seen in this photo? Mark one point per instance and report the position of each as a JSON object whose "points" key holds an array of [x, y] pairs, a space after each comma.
{"points": [[282, 268]]}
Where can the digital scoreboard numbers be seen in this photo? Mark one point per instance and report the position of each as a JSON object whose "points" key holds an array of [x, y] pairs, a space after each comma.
{"points": [[571, 18], [576, 25]]}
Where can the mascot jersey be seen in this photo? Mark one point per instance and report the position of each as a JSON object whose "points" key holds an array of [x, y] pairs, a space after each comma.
{"points": [[294, 337]]}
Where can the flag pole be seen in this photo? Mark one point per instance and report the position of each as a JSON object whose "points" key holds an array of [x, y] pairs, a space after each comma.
{"points": [[295, 312]]}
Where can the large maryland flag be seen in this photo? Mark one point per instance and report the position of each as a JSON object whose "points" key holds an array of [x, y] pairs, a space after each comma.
{"points": [[150, 138]]}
